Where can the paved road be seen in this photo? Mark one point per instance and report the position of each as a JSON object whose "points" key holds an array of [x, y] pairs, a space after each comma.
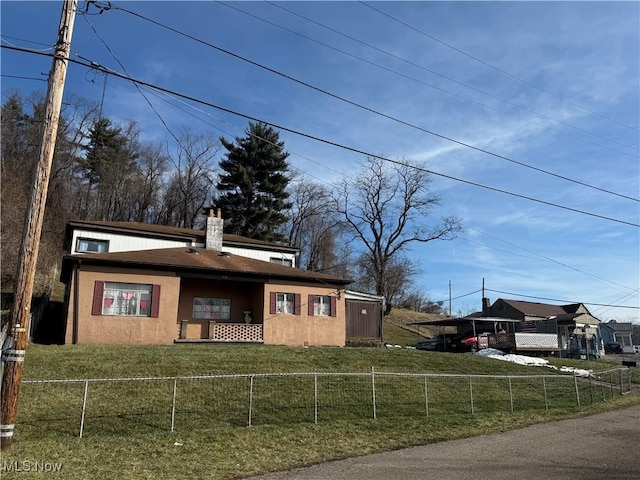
{"points": [[598, 447]]}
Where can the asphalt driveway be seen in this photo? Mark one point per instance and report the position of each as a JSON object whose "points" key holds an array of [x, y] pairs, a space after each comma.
{"points": [[598, 447]]}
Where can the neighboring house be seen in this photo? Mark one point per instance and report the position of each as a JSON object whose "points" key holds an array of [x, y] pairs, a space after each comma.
{"points": [[149, 284], [576, 328], [623, 334]]}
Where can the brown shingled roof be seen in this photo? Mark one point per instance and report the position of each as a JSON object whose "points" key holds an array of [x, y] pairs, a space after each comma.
{"points": [[541, 309], [200, 260]]}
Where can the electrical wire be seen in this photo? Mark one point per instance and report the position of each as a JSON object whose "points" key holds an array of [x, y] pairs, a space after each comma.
{"points": [[241, 129], [567, 302], [338, 145], [48, 49], [364, 107], [325, 141], [433, 72], [595, 277], [496, 68], [24, 78], [84, 15]]}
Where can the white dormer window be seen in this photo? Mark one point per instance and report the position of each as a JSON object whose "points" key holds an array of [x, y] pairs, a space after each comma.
{"points": [[282, 261], [92, 245]]}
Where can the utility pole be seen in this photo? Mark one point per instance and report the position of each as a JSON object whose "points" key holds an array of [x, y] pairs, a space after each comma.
{"points": [[13, 334]]}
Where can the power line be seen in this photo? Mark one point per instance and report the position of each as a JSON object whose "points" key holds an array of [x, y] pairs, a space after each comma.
{"points": [[24, 78], [48, 49], [601, 311], [84, 15], [338, 145], [238, 127], [364, 107], [433, 72], [495, 68], [562, 301], [595, 277], [459, 296]]}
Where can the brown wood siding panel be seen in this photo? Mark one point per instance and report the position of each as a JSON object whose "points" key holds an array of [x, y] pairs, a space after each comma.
{"points": [[361, 325]]}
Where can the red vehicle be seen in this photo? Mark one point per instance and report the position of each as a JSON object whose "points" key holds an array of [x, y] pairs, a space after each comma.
{"points": [[468, 343]]}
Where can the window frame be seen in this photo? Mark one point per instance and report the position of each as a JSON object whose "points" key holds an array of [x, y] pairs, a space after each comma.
{"points": [[311, 306], [273, 303], [100, 287], [287, 262], [97, 241], [322, 305], [223, 303]]}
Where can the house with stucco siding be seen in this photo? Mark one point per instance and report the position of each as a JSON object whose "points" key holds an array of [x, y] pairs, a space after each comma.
{"points": [[132, 283]]}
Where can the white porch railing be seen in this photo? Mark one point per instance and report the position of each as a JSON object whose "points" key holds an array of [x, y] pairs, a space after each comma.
{"points": [[236, 332]]}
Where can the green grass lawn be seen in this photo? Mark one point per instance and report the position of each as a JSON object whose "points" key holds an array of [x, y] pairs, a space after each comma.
{"points": [[209, 442]]}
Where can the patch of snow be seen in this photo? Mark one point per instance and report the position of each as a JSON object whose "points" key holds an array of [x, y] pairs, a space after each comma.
{"points": [[489, 352], [577, 371], [521, 359], [531, 361]]}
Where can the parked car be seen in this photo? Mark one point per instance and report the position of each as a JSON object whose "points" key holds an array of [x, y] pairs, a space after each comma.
{"points": [[468, 343], [445, 342], [613, 347]]}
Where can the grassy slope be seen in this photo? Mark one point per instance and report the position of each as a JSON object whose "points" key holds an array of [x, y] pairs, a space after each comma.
{"points": [[224, 452]]}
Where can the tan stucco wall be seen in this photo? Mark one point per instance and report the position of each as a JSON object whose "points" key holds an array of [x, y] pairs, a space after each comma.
{"points": [[176, 304], [123, 330], [302, 330]]}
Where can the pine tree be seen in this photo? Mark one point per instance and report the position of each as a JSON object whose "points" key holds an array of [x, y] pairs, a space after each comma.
{"points": [[110, 169], [253, 188]]}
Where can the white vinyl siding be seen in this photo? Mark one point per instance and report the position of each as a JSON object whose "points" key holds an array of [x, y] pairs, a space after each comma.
{"points": [[126, 243]]}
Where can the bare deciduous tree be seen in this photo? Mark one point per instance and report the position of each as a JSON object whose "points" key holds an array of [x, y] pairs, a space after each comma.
{"points": [[314, 226], [386, 207], [152, 163], [191, 184]]}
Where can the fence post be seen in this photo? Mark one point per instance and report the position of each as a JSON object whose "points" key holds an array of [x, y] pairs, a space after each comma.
{"points": [[544, 388], [250, 398], [426, 396], [173, 403], [510, 394], [315, 400], [373, 392], [621, 390], [471, 395], [575, 382], [84, 406], [611, 381]]}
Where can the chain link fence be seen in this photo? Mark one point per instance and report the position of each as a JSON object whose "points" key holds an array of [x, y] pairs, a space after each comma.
{"points": [[118, 405]]}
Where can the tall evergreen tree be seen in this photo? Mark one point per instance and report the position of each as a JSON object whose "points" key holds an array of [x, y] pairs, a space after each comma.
{"points": [[111, 171], [253, 188]]}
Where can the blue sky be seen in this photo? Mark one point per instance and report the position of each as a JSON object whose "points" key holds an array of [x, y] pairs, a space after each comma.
{"points": [[553, 85]]}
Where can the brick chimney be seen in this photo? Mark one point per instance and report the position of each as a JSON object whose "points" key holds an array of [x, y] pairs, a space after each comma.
{"points": [[214, 228], [486, 307]]}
